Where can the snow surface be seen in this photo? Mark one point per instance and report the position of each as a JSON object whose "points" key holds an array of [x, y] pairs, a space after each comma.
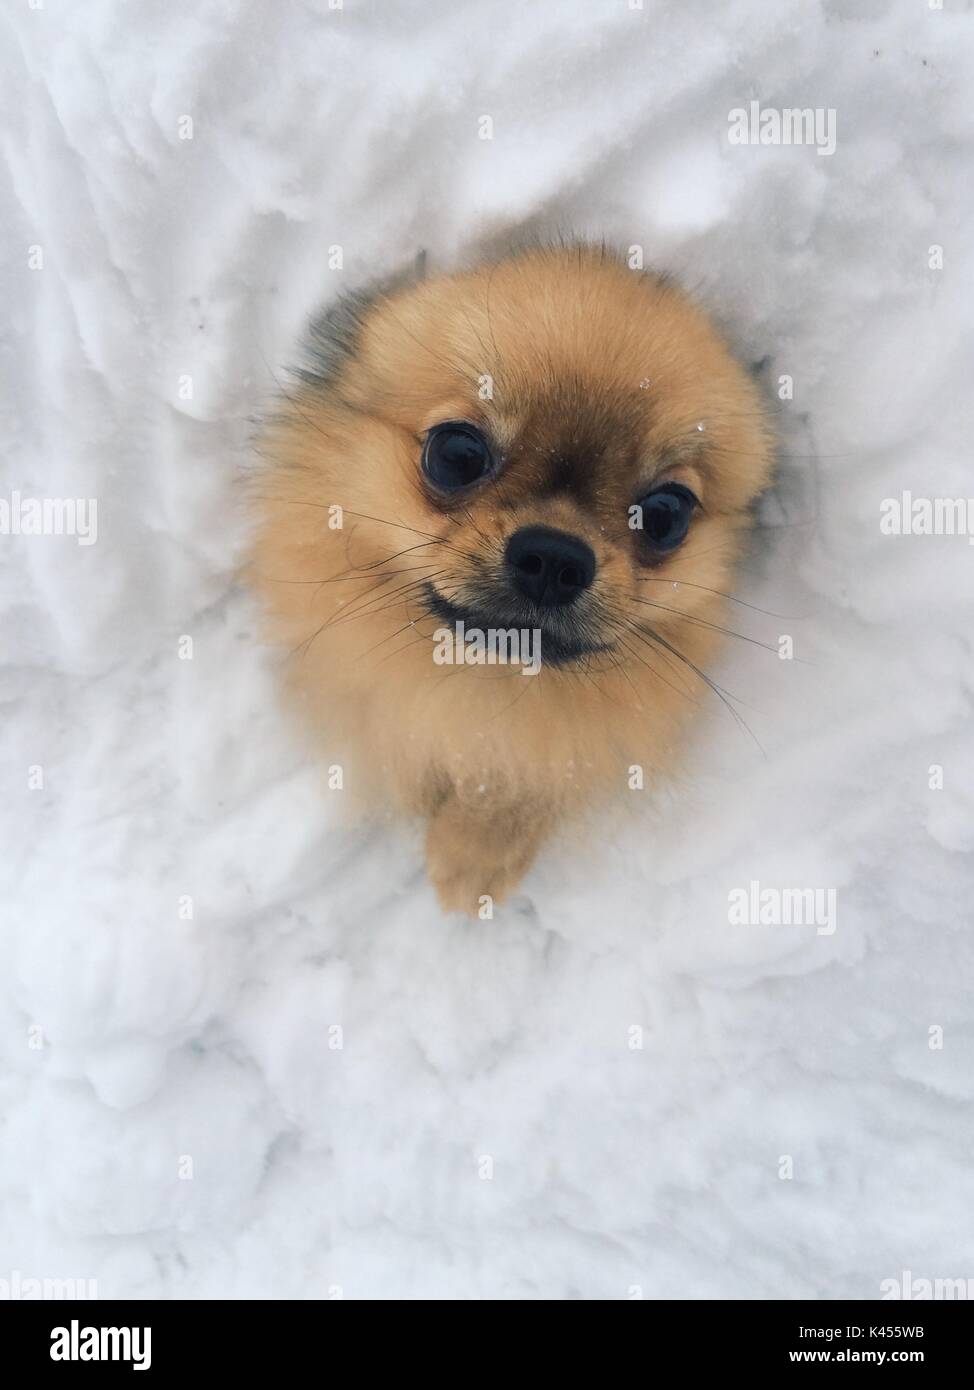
{"points": [[359, 1170]]}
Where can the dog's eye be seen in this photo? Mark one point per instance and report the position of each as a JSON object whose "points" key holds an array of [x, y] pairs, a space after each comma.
{"points": [[666, 516], [456, 455]]}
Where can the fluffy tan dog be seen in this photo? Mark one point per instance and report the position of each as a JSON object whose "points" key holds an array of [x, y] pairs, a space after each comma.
{"points": [[497, 517]]}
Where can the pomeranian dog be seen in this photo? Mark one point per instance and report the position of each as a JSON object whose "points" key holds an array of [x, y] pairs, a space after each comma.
{"points": [[496, 519]]}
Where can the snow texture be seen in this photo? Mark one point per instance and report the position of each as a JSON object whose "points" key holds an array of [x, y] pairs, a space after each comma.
{"points": [[319, 1085]]}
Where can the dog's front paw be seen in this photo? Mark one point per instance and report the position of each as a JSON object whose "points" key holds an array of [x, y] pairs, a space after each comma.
{"points": [[475, 862]]}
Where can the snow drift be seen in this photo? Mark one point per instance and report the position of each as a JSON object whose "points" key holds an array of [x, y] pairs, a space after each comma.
{"points": [[242, 1051]]}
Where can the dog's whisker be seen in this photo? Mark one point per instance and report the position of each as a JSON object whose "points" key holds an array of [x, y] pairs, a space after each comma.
{"points": [[386, 602], [703, 622], [344, 578], [622, 629], [719, 593], [343, 615], [724, 696]]}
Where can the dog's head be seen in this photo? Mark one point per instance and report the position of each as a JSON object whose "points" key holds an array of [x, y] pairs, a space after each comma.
{"points": [[552, 442]]}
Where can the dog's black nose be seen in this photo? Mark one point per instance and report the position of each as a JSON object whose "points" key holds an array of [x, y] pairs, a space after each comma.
{"points": [[550, 568]]}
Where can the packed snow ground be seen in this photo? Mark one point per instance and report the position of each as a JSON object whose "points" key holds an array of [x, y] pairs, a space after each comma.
{"points": [[176, 1117]]}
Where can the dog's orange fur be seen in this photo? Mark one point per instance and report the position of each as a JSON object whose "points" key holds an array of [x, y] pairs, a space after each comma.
{"points": [[569, 339]]}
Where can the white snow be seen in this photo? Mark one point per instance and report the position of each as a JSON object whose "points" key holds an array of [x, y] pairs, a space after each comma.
{"points": [[176, 1116]]}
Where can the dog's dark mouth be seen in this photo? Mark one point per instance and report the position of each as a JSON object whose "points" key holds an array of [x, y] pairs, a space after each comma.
{"points": [[558, 648]]}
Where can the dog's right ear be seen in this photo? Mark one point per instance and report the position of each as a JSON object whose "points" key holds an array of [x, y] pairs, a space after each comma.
{"points": [[332, 336]]}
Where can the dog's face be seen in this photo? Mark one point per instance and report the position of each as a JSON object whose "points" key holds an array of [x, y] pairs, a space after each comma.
{"points": [[576, 434], [553, 443]]}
